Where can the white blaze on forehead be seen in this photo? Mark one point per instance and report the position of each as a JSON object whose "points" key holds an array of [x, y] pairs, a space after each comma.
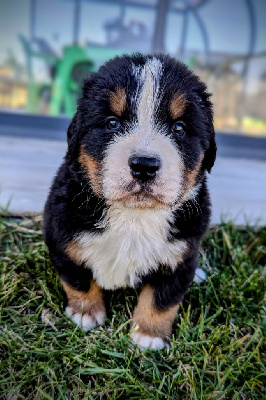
{"points": [[148, 96]]}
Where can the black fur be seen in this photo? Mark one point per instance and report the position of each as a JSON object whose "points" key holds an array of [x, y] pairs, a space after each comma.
{"points": [[70, 209]]}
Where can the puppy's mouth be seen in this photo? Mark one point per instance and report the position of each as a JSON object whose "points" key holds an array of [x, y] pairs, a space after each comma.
{"points": [[141, 195], [135, 187]]}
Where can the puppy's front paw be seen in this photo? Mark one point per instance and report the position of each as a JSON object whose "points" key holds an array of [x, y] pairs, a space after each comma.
{"points": [[86, 309], [145, 341], [85, 320]]}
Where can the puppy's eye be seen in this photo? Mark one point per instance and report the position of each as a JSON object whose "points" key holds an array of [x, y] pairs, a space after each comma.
{"points": [[178, 129], [114, 125]]}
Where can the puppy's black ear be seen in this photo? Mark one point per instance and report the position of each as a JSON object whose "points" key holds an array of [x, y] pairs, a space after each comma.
{"points": [[202, 100], [76, 129], [210, 153], [73, 139]]}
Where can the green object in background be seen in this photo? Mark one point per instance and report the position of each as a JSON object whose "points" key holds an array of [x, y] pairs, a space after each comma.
{"points": [[37, 91], [75, 66], [67, 74]]}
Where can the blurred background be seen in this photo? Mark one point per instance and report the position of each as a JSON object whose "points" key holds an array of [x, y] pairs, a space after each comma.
{"points": [[47, 47]]}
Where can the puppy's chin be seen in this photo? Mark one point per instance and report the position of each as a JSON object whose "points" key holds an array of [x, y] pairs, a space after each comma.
{"points": [[134, 194], [140, 199]]}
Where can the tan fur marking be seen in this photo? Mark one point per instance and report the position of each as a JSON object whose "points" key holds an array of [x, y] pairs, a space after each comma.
{"points": [[92, 169], [118, 101], [191, 178], [73, 251], [90, 302], [177, 106], [147, 320]]}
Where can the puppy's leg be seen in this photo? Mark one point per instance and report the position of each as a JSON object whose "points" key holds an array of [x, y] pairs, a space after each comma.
{"points": [[151, 327], [85, 308], [85, 297], [159, 302]]}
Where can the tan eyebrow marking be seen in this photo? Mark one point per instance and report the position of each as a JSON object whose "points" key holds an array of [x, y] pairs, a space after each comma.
{"points": [[118, 101], [192, 175], [177, 106]]}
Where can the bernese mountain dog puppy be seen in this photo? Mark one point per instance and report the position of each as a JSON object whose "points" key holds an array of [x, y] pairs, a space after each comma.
{"points": [[129, 205]]}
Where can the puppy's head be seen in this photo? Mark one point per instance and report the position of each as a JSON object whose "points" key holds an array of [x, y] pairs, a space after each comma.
{"points": [[143, 132]]}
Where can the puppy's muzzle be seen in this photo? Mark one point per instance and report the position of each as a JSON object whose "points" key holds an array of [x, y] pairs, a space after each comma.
{"points": [[144, 168]]}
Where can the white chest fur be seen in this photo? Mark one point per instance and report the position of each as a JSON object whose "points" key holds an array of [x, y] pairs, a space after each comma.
{"points": [[134, 243]]}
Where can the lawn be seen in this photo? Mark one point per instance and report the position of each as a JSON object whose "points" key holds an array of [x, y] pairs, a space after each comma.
{"points": [[217, 338]]}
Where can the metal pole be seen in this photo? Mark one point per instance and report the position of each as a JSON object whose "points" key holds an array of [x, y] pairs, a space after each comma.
{"points": [[204, 33], [158, 45], [32, 19], [183, 39], [250, 51], [122, 10], [76, 21]]}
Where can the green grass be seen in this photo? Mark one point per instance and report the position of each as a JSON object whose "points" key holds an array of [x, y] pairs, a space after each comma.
{"points": [[217, 337]]}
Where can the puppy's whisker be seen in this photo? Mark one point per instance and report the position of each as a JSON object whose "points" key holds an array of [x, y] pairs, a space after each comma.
{"points": [[183, 212], [194, 207], [190, 209], [87, 199], [82, 191], [197, 206], [100, 207]]}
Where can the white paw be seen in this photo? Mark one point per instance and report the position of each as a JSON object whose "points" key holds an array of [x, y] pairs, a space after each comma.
{"points": [[145, 341], [86, 322], [200, 276]]}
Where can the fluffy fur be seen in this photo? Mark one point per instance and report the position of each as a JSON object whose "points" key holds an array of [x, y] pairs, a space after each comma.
{"points": [[129, 205]]}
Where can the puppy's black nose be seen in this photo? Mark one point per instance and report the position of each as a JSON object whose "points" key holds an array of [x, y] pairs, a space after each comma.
{"points": [[144, 168]]}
